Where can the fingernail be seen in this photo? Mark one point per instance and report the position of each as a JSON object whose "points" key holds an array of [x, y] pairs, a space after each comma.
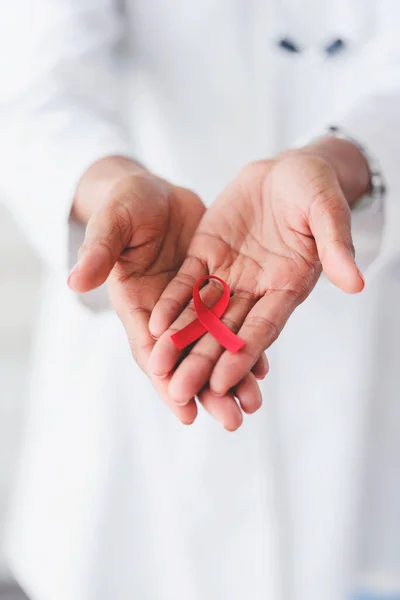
{"points": [[72, 272], [362, 278], [180, 403], [238, 424], [160, 376]]}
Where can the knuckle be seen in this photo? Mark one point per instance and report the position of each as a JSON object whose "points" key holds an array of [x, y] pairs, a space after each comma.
{"points": [[194, 262], [96, 244], [109, 227], [327, 205], [138, 312], [343, 241], [249, 296], [255, 170], [299, 294], [323, 196], [267, 326], [197, 354], [231, 323], [106, 246], [121, 223], [172, 330], [185, 279], [171, 305]]}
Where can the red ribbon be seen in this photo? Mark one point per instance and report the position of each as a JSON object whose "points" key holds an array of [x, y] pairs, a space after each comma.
{"points": [[208, 320]]}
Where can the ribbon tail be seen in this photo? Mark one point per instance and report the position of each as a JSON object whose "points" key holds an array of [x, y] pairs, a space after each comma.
{"points": [[188, 334]]}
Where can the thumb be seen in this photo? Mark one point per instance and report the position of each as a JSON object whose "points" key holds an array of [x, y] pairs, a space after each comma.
{"points": [[108, 232], [330, 223]]}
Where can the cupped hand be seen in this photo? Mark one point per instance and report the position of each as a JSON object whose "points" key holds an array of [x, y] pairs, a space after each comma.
{"points": [[268, 236], [137, 239]]}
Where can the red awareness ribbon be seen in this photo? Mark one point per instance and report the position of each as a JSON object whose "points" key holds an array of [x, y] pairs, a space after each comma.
{"points": [[208, 320]]}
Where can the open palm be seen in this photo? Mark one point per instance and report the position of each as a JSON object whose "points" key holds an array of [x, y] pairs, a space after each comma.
{"points": [[267, 236], [138, 241]]}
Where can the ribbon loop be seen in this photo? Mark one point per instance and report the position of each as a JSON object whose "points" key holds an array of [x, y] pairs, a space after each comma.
{"points": [[209, 320]]}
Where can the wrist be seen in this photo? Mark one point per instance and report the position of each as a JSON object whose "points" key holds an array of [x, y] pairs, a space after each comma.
{"points": [[98, 181], [348, 163]]}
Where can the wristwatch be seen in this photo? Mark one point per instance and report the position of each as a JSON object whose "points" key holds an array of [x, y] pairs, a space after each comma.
{"points": [[378, 186]]}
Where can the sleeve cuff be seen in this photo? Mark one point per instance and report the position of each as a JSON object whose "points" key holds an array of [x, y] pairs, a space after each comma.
{"points": [[41, 198]]}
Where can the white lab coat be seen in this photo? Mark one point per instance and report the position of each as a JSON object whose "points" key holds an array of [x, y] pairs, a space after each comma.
{"points": [[115, 498]]}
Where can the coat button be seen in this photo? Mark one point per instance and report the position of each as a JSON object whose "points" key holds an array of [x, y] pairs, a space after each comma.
{"points": [[288, 45], [335, 47]]}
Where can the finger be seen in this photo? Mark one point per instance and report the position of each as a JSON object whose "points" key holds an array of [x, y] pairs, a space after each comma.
{"points": [[195, 370], [259, 330], [165, 354], [249, 394], [108, 232], [260, 369], [186, 414], [225, 409], [330, 223], [222, 408], [176, 296], [136, 324]]}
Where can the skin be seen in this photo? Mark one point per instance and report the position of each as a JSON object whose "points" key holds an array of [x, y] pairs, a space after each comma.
{"points": [[268, 235], [139, 228]]}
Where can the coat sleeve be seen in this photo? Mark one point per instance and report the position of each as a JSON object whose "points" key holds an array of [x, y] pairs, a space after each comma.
{"points": [[59, 110], [372, 116]]}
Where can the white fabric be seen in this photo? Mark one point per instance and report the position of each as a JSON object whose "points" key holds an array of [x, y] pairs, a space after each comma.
{"points": [[115, 498]]}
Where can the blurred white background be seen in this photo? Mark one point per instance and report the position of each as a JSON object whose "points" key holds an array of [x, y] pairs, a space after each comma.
{"points": [[19, 285]]}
